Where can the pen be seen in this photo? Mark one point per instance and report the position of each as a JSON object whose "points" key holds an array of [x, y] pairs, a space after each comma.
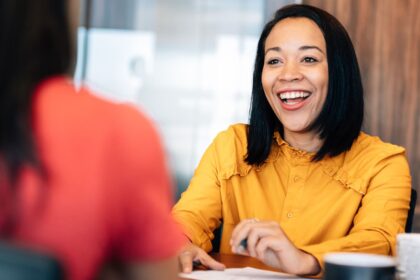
{"points": [[198, 265], [244, 243]]}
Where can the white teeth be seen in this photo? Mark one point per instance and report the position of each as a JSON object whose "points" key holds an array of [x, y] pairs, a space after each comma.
{"points": [[294, 94]]}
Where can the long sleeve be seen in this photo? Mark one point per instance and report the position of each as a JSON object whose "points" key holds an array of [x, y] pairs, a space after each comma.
{"points": [[381, 216], [199, 210]]}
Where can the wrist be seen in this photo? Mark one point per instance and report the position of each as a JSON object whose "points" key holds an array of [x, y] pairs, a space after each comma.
{"points": [[310, 265]]}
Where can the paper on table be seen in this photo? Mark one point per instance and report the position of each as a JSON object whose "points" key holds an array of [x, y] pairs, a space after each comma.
{"points": [[246, 273]]}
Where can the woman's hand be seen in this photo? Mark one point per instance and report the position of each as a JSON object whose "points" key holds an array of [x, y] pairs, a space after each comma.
{"points": [[192, 253], [266, 241]]}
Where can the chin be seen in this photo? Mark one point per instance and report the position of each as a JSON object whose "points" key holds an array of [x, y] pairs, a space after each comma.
{"points": [[297, 129]]}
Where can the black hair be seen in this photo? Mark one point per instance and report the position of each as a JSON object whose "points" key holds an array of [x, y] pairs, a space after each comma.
{"points": [[340, 120], [35, 44]]}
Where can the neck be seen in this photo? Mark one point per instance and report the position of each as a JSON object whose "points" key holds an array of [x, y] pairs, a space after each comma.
{"points": [[309, 142]]}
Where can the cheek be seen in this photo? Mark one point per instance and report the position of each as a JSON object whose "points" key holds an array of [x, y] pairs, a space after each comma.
{"points": [[323, 78], [320, 81], [324, 90], [267, 82]]}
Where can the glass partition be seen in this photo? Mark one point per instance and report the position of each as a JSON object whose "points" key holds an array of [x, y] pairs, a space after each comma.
{"points": [[187, 63]]}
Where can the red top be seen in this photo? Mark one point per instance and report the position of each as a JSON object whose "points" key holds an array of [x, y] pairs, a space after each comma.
{"points": [[107, 190]]}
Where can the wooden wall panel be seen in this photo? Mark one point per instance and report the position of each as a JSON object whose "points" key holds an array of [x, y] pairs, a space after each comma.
{"points": [[386, 36]]}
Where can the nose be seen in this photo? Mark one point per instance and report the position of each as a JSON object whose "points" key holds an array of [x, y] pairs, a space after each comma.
{"points": [[290, 72]]}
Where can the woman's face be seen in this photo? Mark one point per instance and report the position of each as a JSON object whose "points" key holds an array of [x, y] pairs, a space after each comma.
{"points": [[295, 73]]}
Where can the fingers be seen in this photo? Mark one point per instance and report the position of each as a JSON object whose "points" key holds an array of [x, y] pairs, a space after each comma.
{"points": [[239, 226], [192, 253], [269, 243], [209, 262], [265, 243], [239, 235], [282, 254], [256, 234], [252, 230], [186, 261]]}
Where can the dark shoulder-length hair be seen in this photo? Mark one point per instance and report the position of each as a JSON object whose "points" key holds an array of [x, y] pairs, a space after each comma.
{"points": [[340, 120], [34, 44]]}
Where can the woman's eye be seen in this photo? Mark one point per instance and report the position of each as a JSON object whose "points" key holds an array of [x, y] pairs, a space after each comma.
{"points": [[309, 59], [273, 61]]}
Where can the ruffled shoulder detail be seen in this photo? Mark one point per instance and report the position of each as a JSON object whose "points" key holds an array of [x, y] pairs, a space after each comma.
{"points": [[231, 149], [345, 178], [354, 168]]}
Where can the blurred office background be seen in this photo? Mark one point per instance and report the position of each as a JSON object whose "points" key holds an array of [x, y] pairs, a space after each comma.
{"points": [[189, 63]]}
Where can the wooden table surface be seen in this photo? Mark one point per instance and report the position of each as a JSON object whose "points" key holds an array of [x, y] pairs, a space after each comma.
{"points": [[231, 261]]}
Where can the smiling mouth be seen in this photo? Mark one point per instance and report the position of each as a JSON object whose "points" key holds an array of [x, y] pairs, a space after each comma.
{"points": [[293, 97]]}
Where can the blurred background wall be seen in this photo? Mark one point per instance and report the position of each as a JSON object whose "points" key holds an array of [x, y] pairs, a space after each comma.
{"points": [[189, 63]]}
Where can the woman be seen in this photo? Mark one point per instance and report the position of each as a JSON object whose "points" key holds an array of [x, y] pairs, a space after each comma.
{"points": [[301, 179], [81, 178]]}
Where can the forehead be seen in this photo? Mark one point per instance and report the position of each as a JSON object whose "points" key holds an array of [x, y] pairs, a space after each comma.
{"points": [[295, 31]]}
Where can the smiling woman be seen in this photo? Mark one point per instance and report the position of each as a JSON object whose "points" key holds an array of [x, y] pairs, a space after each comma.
{"points": [[300, 180]]}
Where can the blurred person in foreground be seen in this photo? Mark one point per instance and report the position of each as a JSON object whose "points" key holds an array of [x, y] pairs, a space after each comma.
{"points": [[301, 179], [80, 177]]}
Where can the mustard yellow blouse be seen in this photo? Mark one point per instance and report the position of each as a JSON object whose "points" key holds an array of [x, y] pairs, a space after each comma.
{"points": [[354, 202]]}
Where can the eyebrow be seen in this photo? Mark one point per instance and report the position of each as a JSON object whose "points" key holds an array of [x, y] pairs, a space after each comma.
{"points": [[303, 48]]}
